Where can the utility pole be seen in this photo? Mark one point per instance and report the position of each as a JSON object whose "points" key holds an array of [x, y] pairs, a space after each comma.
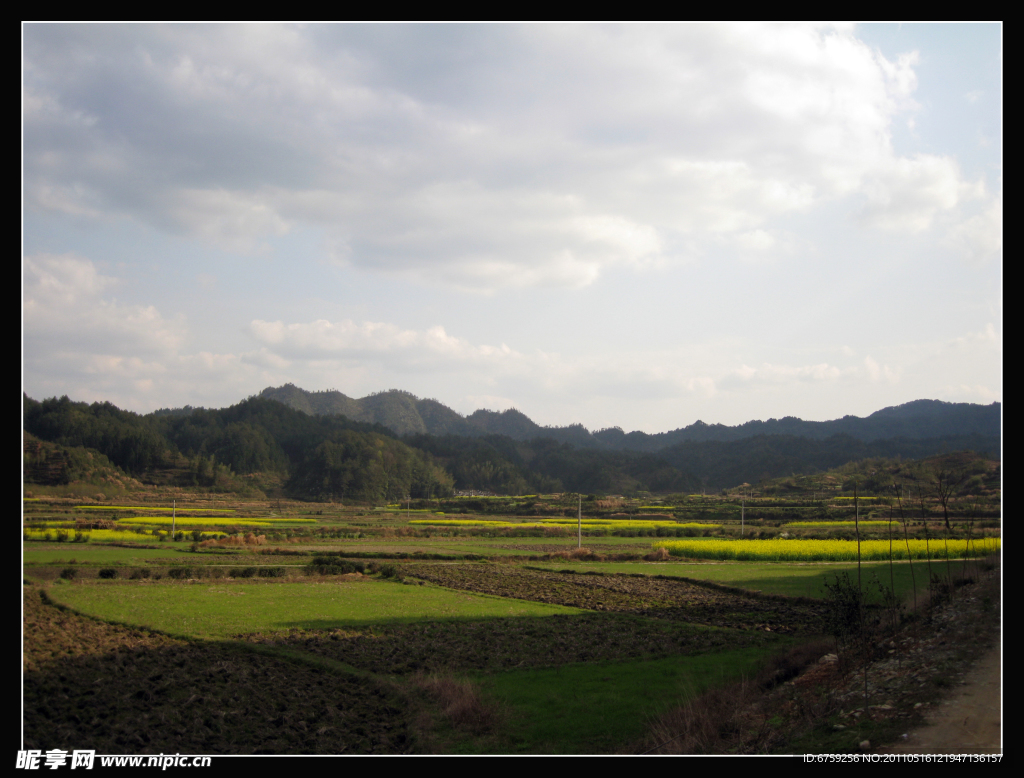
{"points": [[856, 527], [579, 523], [743, 510]]}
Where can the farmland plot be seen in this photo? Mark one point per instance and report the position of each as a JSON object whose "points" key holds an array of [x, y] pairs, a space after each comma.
{"points": [[224, 609], [665, 599], [119, 690], [509, 643]]}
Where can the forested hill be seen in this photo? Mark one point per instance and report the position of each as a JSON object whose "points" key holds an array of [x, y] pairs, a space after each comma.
{"points": [[334, 457], [914, 420], [315, 457], [406, 414]]}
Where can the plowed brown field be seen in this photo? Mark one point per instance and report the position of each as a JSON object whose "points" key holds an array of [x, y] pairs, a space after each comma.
{"points": [[90, 685], [664, 599], [510, 643]]}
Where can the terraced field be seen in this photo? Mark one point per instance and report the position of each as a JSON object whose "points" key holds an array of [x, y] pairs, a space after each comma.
{"points": [[511, 643], [664, 599], [118, 690], [514, 644]]}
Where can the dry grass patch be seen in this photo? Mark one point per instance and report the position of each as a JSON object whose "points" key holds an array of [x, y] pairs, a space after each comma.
{"points": [[728, 719], [460, 702], [249, 539]]}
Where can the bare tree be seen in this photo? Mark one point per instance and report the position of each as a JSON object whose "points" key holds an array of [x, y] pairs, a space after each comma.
{"points": [[947, 484]]}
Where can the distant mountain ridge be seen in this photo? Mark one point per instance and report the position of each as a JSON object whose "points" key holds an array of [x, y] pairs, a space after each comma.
{"points": [[406, 414]]}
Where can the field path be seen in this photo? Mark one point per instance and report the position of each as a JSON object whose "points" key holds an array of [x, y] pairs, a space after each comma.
{"points": [[968, 722]]}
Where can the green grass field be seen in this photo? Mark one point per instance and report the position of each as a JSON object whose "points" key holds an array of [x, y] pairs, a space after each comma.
{"points": [[88, 553], [601, 707], [221, 610]]}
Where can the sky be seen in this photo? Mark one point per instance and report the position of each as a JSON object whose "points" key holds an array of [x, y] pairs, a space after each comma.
{"points": [[613, 225]]}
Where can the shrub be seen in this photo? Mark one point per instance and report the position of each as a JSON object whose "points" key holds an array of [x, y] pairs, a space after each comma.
{"points": [[141, 572], [68, 573], [338, 566], [939, 588], [390, 571], [108, 572], [242, 572], [180, 572], [271, 572], [843, 603], [461, 702], [328, 566]]}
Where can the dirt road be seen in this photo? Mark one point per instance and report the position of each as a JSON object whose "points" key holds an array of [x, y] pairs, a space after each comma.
{"points": [[967, 722]]}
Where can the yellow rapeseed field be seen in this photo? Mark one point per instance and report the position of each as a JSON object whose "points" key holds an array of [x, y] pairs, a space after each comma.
{"points": [[540, 523], [205, 521], [799, 550], [841, 524], [150, 508], [101, 535]]}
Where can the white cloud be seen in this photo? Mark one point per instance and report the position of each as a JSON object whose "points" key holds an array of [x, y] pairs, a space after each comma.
{"points": [[906, 195], [769, 373], [877, 372], [545, 156], [756, 241], [323, 337], [979, 239], [238, 222], [59, 280], [987, 339], [63, 304], [973, 393]]}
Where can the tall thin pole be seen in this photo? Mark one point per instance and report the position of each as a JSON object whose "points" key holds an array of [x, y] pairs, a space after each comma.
{"points": [[579, 523], [743, 510], [860, 592], [856, 526], [173, 516]]}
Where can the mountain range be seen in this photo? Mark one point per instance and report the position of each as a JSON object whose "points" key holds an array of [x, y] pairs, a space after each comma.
{"points": [[406, 414]]}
